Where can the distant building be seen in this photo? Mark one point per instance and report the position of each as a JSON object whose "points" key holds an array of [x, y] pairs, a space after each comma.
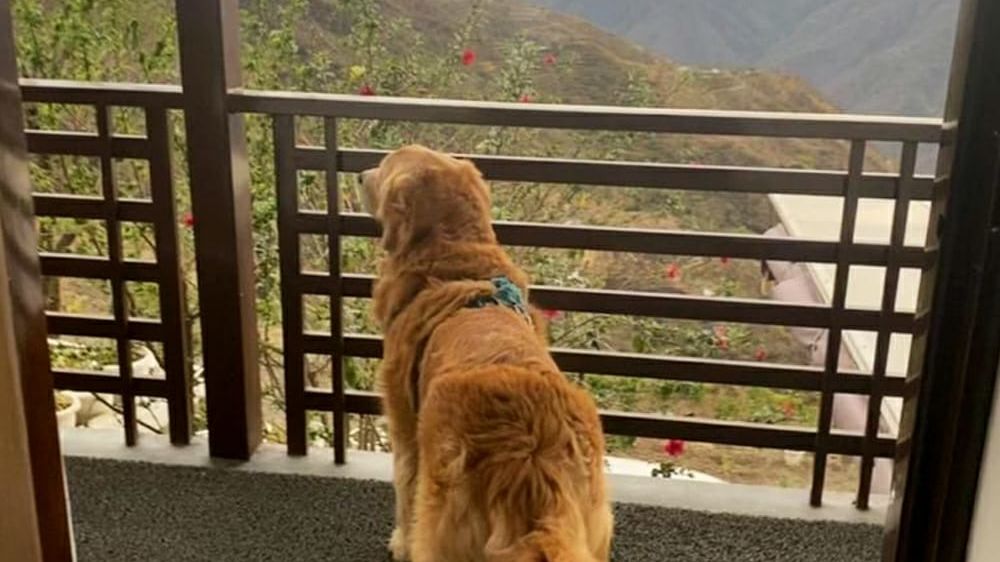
{"points": [[818, 218]]}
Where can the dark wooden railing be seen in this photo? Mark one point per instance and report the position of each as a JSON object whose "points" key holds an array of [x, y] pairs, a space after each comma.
{"points": [[851, 185], [158, 212]]}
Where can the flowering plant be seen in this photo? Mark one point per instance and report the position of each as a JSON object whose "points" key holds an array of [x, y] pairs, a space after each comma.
{"points": [[673, 448]]}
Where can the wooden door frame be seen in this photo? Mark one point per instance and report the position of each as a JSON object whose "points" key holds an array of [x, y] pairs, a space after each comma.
{"points": [[31, 462], [953, 369]]}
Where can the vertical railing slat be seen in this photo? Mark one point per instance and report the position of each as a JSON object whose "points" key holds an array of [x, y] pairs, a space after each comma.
{"points": [[109, 191], [336, 290], [286, 177], [170, 276], [897, 239], [837, 306]]}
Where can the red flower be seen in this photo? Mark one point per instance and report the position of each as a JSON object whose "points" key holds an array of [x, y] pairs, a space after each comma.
{"points": [[468, 57], [789, 409], [187, 220], [550, 314], [366, 90], [721, 337], [549, 59], [673, 271], [674, 447], [724, 260], [525, 98], [760, 354]]}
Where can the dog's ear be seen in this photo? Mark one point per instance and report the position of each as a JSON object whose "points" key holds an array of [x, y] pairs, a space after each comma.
{"points": [[472, 175], [402, 211]]}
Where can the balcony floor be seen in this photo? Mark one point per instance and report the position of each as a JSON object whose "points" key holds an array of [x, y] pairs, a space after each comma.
{"points": [[151, 511]]}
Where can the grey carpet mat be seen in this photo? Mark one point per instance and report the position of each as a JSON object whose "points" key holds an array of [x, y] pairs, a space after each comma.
{"points": [[127, 511]]}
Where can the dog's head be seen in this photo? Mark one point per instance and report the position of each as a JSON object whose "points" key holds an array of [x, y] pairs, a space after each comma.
{"points": [[418, 194]]}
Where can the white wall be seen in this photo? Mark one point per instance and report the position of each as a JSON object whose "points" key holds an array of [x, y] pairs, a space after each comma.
{"points": [[984, 544]]}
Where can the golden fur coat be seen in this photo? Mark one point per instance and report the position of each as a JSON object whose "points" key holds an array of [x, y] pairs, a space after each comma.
{"points": [[497, 457]]}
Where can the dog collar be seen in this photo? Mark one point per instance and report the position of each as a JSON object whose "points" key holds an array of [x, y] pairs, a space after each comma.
{"points": [[505, 293]]}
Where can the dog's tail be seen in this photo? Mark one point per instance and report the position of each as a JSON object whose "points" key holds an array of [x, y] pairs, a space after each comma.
{"points": [[537, 514], [543, 545], [538, 463]]}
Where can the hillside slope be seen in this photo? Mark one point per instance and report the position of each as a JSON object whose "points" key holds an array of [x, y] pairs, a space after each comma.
{"points": [[601, 61], [710, 33], [888, 56]]}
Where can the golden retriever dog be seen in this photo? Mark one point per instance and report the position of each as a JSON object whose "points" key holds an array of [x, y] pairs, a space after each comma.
{"points": [[497, 456]]}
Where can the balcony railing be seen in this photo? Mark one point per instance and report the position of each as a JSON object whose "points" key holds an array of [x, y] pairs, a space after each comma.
{"points": [[851, 184]]}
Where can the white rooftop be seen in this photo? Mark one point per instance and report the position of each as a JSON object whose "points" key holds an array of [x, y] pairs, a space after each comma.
{"points": [[818, 218]]}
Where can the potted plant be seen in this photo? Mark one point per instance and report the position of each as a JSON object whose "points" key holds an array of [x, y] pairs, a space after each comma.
{"points": [[67, 407]]}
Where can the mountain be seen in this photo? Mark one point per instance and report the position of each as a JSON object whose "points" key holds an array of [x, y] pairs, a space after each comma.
{"points": [[882, 56], [601, 61]]}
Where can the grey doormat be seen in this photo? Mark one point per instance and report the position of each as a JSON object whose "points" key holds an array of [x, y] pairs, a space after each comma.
{"points": [[130, 511]]}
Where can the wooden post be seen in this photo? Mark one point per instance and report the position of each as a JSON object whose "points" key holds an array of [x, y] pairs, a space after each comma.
{"points": [[34, 519], [953, 367], [19, 523], [208, 33]]}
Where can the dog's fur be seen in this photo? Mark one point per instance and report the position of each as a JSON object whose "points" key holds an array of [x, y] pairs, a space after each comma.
{"points": [[497, 457]]}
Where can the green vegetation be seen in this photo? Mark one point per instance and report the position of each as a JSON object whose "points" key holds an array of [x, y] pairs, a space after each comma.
{"points": [[399, 47]]}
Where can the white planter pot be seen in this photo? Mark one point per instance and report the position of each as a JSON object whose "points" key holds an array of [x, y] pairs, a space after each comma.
{"points": [[104, 421], [91, 407], [66, 417]]}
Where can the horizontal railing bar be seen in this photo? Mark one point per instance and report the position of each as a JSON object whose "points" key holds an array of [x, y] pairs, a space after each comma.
{"points": [[88, 207], [318, 343], [686, 307], [75, 143], [362, 345], [92, 267], [107, 93], [742, 434], [581, 117], [649, 241], [688, 121], [714, 371], [713, 309], [644, 174], [656, 367], [107, 383], [313, 283], [103, 327], [355, 401]]}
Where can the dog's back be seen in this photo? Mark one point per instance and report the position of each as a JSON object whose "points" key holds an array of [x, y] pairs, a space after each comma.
{"points": [[510, 453], [510, 470]]}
